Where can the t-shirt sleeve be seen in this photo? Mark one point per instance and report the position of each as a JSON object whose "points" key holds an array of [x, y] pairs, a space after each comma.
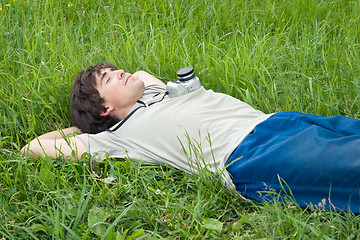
{"points": [[103, 143]]}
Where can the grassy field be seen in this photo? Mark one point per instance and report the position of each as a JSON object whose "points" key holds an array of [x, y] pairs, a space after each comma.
{"points": [[276, 55]]}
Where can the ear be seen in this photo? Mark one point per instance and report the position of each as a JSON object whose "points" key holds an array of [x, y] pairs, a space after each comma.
{"points": [[107, 111]]}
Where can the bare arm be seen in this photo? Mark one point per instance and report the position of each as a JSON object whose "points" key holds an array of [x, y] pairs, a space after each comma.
{"points": [[147, 78], [56, 143], [59, 134]]}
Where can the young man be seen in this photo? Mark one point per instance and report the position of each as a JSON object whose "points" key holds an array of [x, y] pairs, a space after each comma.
{"points": [[313, 159]]}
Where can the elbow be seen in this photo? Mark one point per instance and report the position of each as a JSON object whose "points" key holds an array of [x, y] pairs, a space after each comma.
{"points": [[29, 150], [34, 149], [25, 150]]}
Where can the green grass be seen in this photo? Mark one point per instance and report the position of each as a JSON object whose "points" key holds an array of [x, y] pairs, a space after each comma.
{"points": [[276, 55]]}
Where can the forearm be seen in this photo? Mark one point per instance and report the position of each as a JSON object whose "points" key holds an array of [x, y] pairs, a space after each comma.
{"points": [[60, 134], [147, 78]]}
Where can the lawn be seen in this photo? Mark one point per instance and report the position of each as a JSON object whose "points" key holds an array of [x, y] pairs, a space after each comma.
{"points": [[276, 55]]}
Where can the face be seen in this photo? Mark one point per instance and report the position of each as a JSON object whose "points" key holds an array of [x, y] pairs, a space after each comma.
{"points": [[119, 90]]}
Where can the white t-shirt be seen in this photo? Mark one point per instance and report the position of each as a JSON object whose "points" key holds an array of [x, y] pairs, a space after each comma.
{"points": [[190, 132]]}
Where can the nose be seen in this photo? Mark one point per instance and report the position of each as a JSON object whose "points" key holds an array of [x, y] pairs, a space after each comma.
{"points": [[121, 73]]}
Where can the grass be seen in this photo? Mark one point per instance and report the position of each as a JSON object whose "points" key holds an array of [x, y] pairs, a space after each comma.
{"points": [[276, 55]]}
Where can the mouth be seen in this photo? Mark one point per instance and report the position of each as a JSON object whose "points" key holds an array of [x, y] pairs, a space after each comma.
{"points": [[127, 79]]}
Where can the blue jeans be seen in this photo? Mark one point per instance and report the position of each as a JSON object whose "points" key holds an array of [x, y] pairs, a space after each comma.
{"points": [[307, 158]]}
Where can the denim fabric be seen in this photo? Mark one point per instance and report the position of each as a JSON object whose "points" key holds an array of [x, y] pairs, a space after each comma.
{"points": [[306, 158]]}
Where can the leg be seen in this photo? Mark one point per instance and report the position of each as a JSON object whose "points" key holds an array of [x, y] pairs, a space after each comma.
{"points": [[317, 157]]}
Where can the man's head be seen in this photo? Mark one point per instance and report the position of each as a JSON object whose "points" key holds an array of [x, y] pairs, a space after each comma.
{"points": [[86, 102], [101, 96]]}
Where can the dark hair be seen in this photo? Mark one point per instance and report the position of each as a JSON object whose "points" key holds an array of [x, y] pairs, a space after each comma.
{"points": [[86, 103]]}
